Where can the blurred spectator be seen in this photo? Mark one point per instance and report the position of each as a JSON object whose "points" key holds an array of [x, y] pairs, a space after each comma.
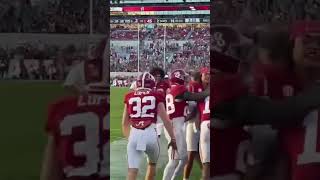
{"points": [[186, 47], [52, 16], [40, 61]]}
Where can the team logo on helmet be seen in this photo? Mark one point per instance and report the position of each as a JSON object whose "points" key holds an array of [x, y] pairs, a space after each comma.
{"points": [[178, 76]]}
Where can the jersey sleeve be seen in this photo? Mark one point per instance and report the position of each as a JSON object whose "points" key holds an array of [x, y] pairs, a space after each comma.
{"points": [[192, 87], [160, 98], [178, 90]]}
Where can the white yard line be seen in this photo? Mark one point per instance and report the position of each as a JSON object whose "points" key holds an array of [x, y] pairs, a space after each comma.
{"points": [[118, 159]]}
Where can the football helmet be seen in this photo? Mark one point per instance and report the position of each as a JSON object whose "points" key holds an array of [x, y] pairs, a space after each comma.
{"points": [[178, 76], [146, 80]]}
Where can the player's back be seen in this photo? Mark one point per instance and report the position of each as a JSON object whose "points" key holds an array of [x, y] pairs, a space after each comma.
{"points": [[176, 107], [81, 132], [275, 82], [162, 86], [142, 107], [195, 87]]}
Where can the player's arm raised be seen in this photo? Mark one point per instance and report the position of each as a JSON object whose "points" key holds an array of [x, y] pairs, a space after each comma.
{"points": [[50, 167], [257, 110], [125, 122]]}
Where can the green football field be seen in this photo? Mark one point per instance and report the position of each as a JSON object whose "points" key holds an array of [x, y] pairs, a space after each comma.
{"points": [[23, 108], [118, 145]]}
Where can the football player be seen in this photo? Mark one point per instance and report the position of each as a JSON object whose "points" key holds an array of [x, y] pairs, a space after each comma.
{"points": [[177, 108], [192, 133], [161, 86], [142, 106], [177, 111], [204, 109], [248, 109], [230, 146], [78, 137], [288, 115], [88, 71], [297, 150]]}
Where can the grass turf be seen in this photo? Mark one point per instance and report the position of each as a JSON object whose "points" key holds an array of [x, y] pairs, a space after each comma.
{"points": [[22, 136], [116, 109], [23, 116]]}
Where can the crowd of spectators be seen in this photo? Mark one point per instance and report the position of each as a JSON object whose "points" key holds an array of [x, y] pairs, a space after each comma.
{"points": [[122, 81], [185, 46], [52, 16], [265, 11], [39, 61]]}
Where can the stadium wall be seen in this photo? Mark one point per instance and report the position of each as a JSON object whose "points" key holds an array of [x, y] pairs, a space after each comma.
{"points": [[123, 74]]}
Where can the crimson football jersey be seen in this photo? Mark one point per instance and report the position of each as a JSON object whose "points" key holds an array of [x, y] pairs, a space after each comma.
{"points": [[81, 132], [204, 108], [176, 107], [162, 87], [229, 147], [275, 82], [227, 87], [301, 144], [195, 87], [298, 141], [229, 151], [142, 107]]}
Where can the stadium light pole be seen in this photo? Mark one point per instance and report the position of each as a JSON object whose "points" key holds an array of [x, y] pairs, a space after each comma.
{"points": [[138, 48], [91, 14], [164, 48]]}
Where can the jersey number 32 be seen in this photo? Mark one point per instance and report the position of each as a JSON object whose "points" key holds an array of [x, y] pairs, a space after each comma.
{"points": [[89, 147]]}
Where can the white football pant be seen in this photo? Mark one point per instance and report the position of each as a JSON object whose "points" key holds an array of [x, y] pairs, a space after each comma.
{"points": [[140, 142]]}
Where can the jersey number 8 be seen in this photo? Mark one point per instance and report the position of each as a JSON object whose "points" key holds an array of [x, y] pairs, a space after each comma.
{"points": [[171, 107]]}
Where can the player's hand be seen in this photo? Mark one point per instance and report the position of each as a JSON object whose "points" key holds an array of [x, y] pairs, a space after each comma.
{"points": [[173, 144]]}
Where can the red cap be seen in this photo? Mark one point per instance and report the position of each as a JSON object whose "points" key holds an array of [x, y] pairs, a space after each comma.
{"points": [[224, 62], [204, 70], [301, 28]]}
